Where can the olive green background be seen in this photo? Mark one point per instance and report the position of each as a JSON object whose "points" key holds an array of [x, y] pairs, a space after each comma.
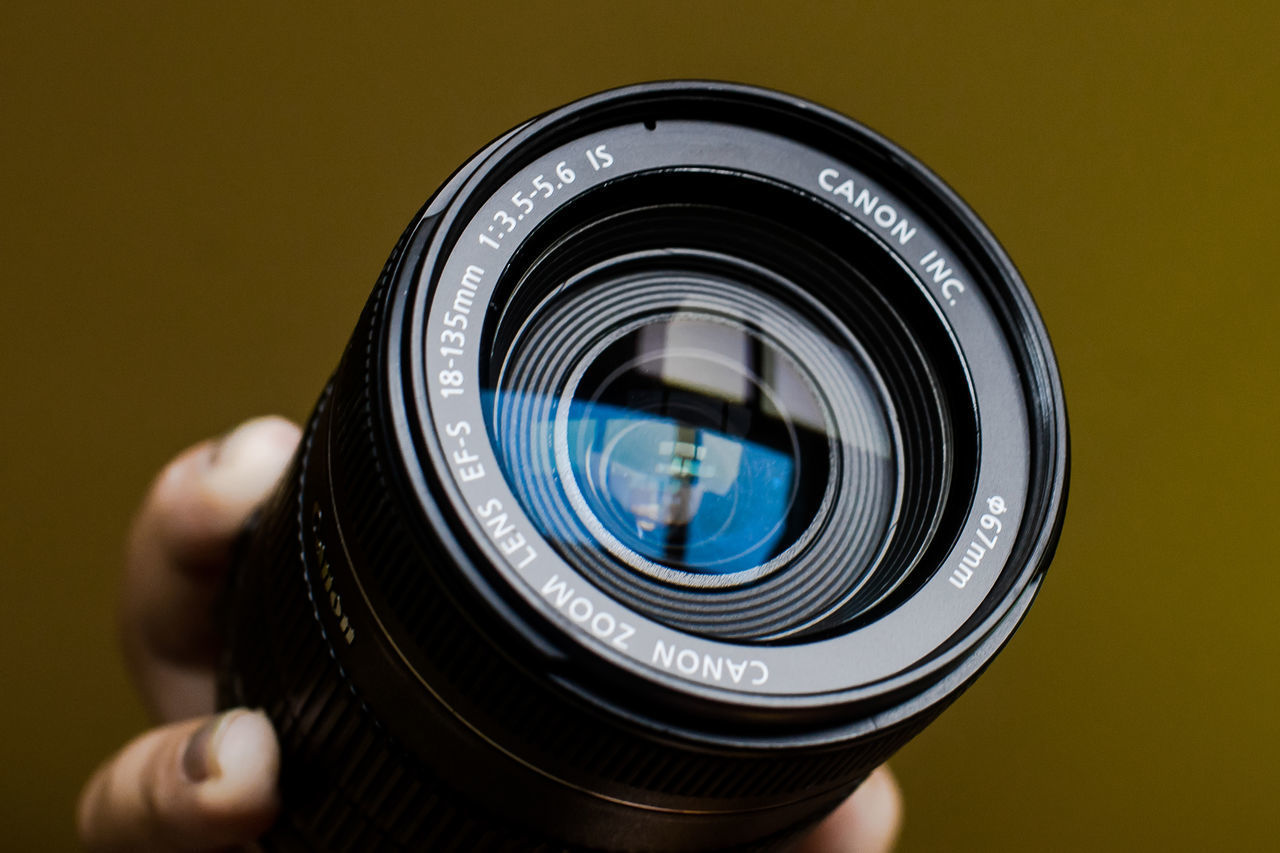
{"points": [[196, 199]]}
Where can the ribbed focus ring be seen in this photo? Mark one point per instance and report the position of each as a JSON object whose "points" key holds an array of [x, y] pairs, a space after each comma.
{"points": [[340, 765]]}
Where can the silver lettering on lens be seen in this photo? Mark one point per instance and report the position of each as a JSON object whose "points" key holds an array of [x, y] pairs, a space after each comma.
{"points": [[584, 612], [511, 542], [345, 627], [466, 464], [466, 292], [887, 218], [881, 213], [943, 275], [709, 667], [985, 539], [451, 378]]}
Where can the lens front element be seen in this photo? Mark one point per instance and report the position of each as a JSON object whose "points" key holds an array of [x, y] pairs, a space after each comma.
{"points": [[691, 439], [684, 451]]}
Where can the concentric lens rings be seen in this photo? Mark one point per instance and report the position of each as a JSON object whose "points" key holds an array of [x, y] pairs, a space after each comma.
{"points": [[835, 529]]}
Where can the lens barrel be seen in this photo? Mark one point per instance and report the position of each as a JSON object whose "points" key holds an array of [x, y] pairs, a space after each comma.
{"points": [[696, 447]]}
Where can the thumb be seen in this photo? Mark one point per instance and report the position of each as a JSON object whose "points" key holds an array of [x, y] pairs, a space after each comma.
{"points": [[201, 784]]}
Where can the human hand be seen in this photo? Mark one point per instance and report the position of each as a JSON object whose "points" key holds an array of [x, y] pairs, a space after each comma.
{"points": [[200, 781], [205, 782]]}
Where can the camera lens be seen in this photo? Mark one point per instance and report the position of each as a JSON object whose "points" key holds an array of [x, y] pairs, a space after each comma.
{"points": [[696, 448]]}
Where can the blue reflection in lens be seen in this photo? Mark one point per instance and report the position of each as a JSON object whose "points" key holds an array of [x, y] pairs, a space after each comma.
{"points": [[682, 496]]}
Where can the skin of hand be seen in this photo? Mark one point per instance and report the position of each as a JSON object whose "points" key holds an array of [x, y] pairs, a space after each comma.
{"points": [[207, 782]]}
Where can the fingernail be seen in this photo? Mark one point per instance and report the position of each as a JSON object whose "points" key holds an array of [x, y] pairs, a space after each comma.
{"points": [[228, 745], [246, 462], [200, 758], [247, 747]]}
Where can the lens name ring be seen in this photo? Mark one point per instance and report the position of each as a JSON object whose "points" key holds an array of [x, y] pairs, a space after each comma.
{"points": [[465, 264]]}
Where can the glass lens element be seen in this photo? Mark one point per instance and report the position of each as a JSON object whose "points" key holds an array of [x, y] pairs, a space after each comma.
{"points": [[697, 444], [698, 438]]}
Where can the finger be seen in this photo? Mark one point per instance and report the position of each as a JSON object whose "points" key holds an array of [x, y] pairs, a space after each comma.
{"points": [[178, 555], [867, 822], [198, 785]]}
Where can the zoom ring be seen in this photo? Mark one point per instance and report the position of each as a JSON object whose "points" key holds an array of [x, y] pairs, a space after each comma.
{"points": [[340, 766]]}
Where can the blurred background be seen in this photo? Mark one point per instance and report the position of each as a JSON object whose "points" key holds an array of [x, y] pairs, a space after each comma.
{"points": [[196, 198]]}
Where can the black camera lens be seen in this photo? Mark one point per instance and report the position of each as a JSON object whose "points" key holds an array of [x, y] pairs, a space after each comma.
{"points": [[696, 448]]}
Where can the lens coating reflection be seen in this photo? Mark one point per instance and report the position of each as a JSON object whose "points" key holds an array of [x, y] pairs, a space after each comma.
{"points": [[696, 444]]}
